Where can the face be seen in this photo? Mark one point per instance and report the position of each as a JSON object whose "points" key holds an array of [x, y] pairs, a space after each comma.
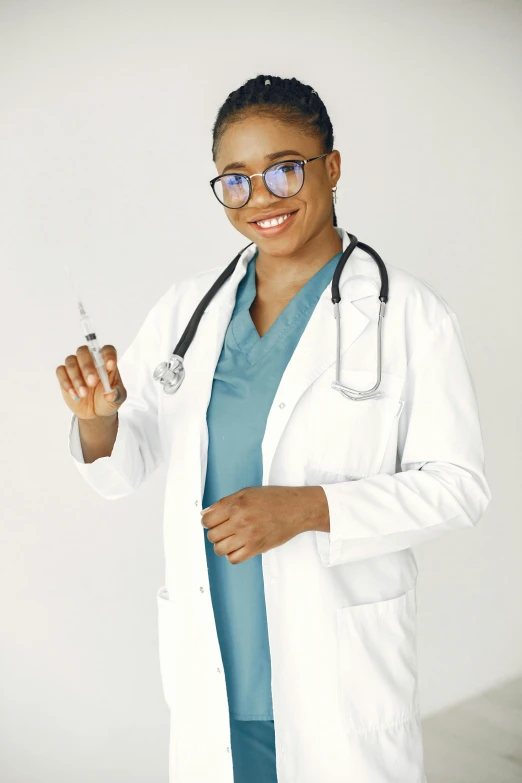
{"points": [[249, 143]]}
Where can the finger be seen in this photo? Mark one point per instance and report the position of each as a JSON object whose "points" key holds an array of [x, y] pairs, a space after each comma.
{"points": [[66, 383], [215, 514], [77, 381], [220, 531], [239, 556], [110, 357], [228, 545], [87, 367]]}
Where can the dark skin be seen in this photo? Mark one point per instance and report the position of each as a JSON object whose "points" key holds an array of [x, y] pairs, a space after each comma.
{"points": [[256, 519]]}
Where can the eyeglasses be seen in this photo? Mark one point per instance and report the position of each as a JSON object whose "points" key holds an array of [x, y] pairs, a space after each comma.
{"points": [[283, 179]]}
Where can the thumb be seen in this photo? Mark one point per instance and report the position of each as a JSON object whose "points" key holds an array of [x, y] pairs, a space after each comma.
{"points": [[116, 395]]}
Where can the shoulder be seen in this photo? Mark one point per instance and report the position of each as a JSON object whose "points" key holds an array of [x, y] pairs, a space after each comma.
{"points": [[418, 298], [187, 292], [416, 312], [409, 296]]}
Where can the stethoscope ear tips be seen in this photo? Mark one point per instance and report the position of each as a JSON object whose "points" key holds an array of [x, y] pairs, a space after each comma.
{"points": [[170, 374]]}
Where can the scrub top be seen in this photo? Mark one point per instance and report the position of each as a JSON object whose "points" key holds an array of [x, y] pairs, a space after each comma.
{"points": [[246, 379]]}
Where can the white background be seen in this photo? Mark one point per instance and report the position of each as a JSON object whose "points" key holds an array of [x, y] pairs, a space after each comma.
{"points": [[105, 156]]}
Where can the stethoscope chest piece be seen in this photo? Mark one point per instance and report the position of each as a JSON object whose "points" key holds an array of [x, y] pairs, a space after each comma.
{"points": [[170, 374]]}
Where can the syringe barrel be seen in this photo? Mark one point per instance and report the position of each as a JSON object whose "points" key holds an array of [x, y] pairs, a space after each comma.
{"points": [[87, 327], [92, 341], [94, 348], [96, 354]]}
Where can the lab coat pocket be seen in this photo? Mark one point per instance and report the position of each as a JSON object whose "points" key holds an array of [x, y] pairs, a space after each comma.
{"points": [[378, 662], [349, 437], [166, 644]]}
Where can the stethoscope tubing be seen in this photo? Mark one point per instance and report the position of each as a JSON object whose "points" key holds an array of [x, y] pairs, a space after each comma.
{"points": [[171, 373]]}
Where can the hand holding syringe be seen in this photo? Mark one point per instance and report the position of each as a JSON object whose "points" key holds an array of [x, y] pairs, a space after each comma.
{"points": [[86, 374]]}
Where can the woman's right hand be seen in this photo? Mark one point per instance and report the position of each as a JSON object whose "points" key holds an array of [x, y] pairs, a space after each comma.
{"points": [[74, 375]]}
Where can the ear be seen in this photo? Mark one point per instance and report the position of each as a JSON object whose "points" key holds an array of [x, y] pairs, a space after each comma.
{"points": [[333, 162]]}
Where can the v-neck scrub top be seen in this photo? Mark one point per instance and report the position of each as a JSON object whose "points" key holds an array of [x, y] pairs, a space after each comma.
{"points": [[246, 379]]}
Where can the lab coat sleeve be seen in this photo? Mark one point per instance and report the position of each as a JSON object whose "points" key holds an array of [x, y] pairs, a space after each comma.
{"points": [[137, 449], [441, 485]]}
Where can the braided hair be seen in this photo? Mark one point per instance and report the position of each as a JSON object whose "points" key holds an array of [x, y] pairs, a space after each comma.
{"points": [[287, 99]]}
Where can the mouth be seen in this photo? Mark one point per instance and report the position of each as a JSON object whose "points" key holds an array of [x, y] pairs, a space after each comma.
{"points": [[282, 224]]}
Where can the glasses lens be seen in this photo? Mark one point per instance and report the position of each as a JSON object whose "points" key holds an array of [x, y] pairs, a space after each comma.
{"points": [[232, 190], [284, 179]]}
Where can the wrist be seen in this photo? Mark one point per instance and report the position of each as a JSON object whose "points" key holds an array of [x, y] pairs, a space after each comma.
{"points": [[318, 516], [98, 423]]}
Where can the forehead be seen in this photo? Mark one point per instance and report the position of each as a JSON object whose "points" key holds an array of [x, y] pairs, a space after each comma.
{"points": [[250, 141]]}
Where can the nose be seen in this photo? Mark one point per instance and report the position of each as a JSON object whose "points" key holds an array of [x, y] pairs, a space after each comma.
{"points": [[260, 192]]}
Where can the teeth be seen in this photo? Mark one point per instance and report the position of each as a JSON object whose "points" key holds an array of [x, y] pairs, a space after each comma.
{"points": [[273, 222]]}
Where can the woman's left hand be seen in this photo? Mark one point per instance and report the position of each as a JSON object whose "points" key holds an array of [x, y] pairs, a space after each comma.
{"points": [[256, 519]]}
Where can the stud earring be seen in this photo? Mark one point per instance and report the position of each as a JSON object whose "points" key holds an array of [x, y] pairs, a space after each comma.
{"points": [[334, 191]]}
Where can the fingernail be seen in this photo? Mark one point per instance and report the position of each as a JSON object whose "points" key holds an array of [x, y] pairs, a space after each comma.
{"points": [[110, 364], [83, 391], [91, 379]]}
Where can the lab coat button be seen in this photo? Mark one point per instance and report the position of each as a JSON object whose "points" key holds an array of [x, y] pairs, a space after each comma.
{"points": [[228, 750], [196, 502], [219, 670], [282, 404], [201, 590]]}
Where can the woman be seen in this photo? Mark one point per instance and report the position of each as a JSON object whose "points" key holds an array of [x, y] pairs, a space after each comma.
{"points": [[288, 648]]}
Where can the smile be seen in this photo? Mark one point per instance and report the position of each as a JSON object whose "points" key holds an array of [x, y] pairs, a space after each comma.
{"points": [[274, 226]]}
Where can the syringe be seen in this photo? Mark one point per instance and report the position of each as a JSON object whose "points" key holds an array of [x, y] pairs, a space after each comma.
{"points": [[90, 334]]}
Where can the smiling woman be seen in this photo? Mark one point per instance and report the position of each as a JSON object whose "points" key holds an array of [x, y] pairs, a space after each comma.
{"points": [[276, 170], [273, 150], [287, 623]]}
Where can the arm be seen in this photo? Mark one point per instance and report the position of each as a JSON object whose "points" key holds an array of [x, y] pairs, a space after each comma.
{"points": [[441, 485], [97, 437]]}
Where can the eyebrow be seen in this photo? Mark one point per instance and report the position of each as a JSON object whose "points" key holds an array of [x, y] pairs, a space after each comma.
{"points": [[238, 164]]}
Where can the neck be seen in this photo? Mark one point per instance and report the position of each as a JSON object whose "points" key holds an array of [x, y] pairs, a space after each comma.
{"points": [[283, 273]]}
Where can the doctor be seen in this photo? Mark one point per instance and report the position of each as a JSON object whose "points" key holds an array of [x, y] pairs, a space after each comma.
{"points": [[287, 621]]}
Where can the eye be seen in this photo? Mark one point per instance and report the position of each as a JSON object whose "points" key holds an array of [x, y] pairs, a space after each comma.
{"points": [[233, 179], [285, 168]]}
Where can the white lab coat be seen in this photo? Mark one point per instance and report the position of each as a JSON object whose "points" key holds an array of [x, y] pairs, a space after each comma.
{"points": [[341, 606]]}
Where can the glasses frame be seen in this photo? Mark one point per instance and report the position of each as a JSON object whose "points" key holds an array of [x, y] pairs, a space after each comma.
{"points": [[302, 163]]}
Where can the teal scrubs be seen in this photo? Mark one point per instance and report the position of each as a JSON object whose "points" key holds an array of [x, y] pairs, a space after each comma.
{"points": [[246, 379]]}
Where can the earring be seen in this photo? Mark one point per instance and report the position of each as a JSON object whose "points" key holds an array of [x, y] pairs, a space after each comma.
{"points": [[334, 191]]}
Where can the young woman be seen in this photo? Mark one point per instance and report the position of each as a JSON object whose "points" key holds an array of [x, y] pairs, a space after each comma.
{"points": [[287, 622]]}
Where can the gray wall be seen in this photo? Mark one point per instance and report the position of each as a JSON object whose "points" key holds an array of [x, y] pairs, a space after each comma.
{"points": [[105, 157]]}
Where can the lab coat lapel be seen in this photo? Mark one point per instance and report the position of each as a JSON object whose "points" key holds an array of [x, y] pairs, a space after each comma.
{"points": [[317, 350], [203, 355]]}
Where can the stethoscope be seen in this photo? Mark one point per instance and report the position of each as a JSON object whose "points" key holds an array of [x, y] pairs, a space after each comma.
{"points": [[171, 374]]}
